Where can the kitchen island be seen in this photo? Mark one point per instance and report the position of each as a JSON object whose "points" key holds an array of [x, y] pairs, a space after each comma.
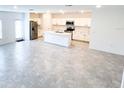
{"points": [[58, 38]]}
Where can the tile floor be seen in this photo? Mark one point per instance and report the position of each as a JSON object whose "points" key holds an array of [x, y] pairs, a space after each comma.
{"points": [[38, 64]]}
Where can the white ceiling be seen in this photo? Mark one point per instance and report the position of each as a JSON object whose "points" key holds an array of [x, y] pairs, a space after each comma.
{"points": [[43, 8], [52, 8]]}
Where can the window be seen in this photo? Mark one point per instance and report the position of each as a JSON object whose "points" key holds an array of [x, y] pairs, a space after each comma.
{"points": [[0, 29], [18, 29]]}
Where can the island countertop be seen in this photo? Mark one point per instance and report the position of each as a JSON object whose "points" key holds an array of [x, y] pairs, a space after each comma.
{"points": [[59, 38], [57, 33]]}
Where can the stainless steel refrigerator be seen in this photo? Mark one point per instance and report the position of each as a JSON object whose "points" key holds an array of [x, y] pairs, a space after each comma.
{"points": [[33, 30]]}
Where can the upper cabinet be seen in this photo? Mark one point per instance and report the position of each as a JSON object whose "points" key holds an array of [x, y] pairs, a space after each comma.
{"points": [[78, 21], [82, 22]]}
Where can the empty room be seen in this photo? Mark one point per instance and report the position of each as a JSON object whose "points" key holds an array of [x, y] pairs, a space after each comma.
{"points": [[61, 46]]}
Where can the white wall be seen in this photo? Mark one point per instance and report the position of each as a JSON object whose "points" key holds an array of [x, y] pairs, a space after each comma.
{"points": [[0, 29], [8, 26], [107, 33], [47, 22], [26, 26]]}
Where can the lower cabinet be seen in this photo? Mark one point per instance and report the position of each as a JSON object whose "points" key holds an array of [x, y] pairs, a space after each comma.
{"points": [[81, 34]]}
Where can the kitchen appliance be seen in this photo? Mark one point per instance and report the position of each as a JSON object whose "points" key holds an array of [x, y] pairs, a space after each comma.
{"points": [[70, 27], [33, 30]]}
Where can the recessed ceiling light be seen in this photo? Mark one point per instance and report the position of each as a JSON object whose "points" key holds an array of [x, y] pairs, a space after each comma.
{"points": [[15, 7], [98, 6]]}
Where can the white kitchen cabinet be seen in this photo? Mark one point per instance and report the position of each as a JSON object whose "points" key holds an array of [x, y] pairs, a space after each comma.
{"points": [[77, 21], [82, 27], [63, 39], [82, 21], [81, 34], [58, 21]]}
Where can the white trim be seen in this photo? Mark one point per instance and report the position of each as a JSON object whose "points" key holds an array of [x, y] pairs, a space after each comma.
{"points": [[122, 82], [0, 29]]}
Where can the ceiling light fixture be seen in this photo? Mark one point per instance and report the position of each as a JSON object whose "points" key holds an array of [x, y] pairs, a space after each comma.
{"points": [[98, 6], [15, 7]]}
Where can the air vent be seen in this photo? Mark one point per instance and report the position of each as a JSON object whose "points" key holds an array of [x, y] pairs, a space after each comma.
{"points": [[31, 9], [68, 5]]}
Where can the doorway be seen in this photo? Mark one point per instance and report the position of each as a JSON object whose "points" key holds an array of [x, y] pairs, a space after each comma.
{"points": [[19, 30]]}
